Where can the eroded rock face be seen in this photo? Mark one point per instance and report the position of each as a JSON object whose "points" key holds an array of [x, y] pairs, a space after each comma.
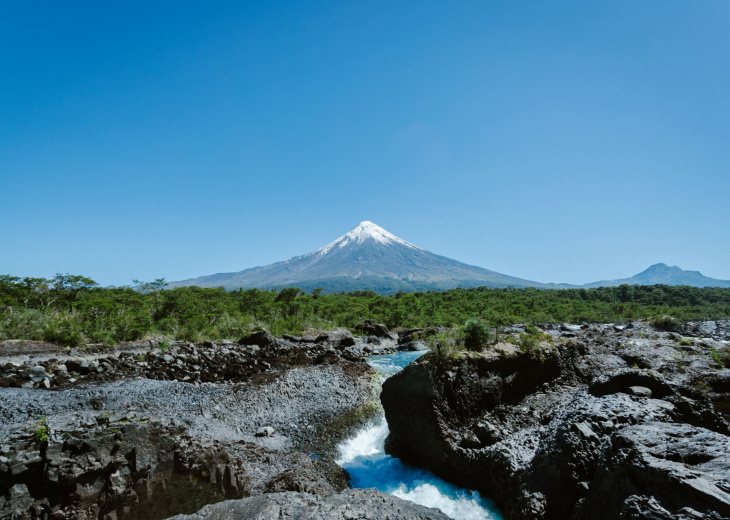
{"points": [[91, 466], [346, 505], [129, 467], [600, 422]]}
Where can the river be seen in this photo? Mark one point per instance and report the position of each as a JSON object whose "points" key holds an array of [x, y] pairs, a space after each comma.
{"points": [[364, 458]]}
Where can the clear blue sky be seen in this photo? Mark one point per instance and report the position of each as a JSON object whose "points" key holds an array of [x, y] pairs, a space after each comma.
{"points": [[555, 141]]}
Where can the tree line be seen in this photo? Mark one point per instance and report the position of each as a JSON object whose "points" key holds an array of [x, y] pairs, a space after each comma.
{"points": [[73, 310]]}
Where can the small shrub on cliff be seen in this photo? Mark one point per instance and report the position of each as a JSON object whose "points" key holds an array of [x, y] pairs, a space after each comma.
{"points": [[42, 431], [725, 357], [531, 339], [476, 334], [445, 345], [528, 342], [721, 357], [666, 323], [702, 387]]}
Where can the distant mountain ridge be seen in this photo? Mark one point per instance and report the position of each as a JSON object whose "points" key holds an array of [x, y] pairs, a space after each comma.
{"points": [[665, 275], [370, 258]]}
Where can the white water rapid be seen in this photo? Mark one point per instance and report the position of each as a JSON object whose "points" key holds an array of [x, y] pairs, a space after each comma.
{"points": [[364, 458]]}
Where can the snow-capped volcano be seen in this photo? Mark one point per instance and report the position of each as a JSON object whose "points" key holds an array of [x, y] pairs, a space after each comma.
{"points": [[365, 258], [364, 231]]}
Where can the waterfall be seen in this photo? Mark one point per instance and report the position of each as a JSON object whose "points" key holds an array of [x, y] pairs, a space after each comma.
{"points": [[363, 456]]}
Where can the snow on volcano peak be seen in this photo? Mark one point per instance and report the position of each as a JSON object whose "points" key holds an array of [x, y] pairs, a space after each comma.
{"points": [[363, 232]]}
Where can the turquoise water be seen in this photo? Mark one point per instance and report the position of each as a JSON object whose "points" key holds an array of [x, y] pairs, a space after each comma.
{"points": [[364, 458]]}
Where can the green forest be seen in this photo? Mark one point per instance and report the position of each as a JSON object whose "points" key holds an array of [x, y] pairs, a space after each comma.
{"points": [[73, 310]]}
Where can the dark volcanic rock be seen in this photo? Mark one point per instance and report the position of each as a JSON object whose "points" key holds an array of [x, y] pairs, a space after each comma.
{"points": [[347, 505], [130, 467], [413, 339], [681, 466], [301, 479], [260, 338], [627, 379], [600, 422], [13, 347], [90, 467], [413, 346], [372, 328]]}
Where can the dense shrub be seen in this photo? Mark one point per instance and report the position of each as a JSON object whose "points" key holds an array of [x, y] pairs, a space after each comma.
{"points": [[476, 334], [666, 323], [168, 325], [64, 332], [23, 324]]}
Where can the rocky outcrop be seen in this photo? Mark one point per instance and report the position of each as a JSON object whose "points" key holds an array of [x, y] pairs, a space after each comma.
{"points": [[717, 330], [600, 422], [413, 340], [347, 505], [150, 434]]}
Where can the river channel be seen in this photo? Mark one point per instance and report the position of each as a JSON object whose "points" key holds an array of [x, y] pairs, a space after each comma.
{"points": [[364, 458]]}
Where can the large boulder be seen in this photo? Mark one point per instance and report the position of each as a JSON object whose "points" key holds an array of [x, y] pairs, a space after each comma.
{"points": [[260, 338], [372, 328], [408, 335], [444, 417]]}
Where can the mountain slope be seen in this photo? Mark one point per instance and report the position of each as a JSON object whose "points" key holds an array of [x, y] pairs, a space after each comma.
{"points": [[666, 275], [366, 258], [370, 258]]}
